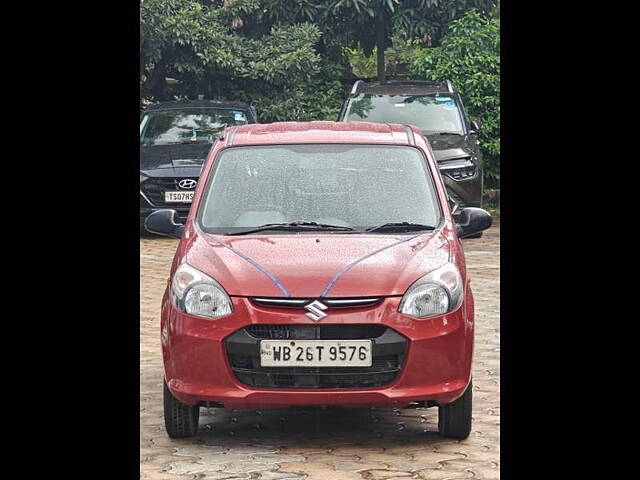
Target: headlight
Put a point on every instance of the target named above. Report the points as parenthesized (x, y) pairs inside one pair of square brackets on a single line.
[(436, 293), (143, 178), (195, 293), (458, 169)]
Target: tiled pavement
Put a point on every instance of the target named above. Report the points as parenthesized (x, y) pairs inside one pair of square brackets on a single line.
[(363, 444)]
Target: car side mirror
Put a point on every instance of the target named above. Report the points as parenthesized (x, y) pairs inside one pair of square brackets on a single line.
[(475, 127), (164, 222), (472, 220)]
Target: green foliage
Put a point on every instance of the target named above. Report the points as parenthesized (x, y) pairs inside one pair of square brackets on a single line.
[(352, 21), (319, 98), (429, 19), (193, 42), (396, 58), (470, 57)]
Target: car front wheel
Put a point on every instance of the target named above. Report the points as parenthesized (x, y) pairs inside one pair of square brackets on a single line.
[(454, 419), (180, 420)]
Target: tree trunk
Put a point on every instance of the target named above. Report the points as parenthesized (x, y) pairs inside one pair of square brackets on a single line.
[(381, 41), (159, 80)]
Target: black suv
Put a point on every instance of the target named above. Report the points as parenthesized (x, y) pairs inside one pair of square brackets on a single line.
[(175, 139), (437, 110)]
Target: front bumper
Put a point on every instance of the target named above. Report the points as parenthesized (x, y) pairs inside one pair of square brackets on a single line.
[(436, 366)]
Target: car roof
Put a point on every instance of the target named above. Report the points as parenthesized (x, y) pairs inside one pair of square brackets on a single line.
[(401, 87), (196, 104), (320, 132)]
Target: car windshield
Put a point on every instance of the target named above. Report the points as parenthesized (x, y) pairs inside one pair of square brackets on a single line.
[(434, 113), (189, 125), (357, 186)]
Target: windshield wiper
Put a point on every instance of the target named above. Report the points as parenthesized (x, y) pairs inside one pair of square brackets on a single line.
[(400, 226), (296, 226), (186, 142), (450, 133)]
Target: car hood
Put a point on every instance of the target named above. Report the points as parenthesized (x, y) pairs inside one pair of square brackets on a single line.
[(447, 147), (159, 157), (305, 265)]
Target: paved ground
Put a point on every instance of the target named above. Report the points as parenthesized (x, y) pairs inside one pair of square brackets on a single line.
[(315, 444)]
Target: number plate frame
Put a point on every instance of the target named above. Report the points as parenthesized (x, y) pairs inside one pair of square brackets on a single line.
[(313, 356), (178, 197)]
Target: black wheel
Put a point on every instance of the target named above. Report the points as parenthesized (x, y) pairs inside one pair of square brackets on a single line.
[(454, 419), (180, 420)]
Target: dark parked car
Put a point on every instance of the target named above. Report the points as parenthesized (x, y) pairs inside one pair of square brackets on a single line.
[(437, 110), (175, 138)]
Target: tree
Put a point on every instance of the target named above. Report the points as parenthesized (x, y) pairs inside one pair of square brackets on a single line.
[(263, 52), (470, 57), (198, 41), (372, 23)]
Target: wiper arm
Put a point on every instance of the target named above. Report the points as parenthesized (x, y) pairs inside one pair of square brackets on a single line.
[(186, 142), (450, 133), (400, 226), (321, 225), (296, 226)]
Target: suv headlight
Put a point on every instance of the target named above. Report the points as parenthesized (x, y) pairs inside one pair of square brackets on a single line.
[(436, 293), (197, 294), (459, 168), (143, 178)]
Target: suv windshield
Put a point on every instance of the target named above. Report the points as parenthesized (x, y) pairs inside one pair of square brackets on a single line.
[(189, 125), (358, 186), (433, 113)]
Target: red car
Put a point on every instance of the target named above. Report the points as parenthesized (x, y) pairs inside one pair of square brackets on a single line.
[(319, 265)]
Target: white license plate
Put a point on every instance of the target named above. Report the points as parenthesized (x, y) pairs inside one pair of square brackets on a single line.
[(178, 197), (315, 353)]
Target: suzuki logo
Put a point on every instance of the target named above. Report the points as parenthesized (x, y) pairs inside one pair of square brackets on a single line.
[(187, 184), (316, 310)]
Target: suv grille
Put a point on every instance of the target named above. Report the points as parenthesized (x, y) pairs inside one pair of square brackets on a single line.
[(243, 352), (154, 189)]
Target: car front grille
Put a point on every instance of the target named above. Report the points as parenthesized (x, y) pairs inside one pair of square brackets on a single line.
[(243, 352), (279, 302), (154, 189)]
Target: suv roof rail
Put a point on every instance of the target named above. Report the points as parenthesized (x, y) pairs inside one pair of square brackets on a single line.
[(449, 86), (355, 86)]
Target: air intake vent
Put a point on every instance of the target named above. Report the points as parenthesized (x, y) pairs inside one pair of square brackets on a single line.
[(243, 352)]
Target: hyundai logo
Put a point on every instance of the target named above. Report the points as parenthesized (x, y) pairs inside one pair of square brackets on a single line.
[(316, 310), (187, 184)]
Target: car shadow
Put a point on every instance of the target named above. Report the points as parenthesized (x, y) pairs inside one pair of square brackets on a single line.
[(319, 427)]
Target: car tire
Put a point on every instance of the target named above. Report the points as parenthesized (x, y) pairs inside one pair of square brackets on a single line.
[(454, 419), (180, 420)]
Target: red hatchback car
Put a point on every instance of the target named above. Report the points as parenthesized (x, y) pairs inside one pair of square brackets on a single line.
[(319, 265)]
